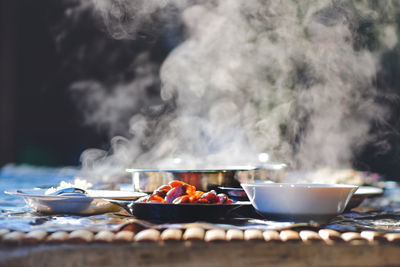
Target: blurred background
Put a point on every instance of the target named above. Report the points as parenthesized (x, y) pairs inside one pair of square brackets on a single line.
[(47, 46)]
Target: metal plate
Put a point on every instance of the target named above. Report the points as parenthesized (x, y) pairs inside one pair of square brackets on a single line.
[(94, 203)]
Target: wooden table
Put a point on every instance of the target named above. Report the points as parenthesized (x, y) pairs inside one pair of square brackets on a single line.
[(199, 247)]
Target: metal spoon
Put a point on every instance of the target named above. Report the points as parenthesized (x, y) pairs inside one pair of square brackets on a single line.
[(70, 191)]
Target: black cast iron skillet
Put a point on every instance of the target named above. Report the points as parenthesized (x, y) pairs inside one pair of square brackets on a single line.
[(185, 212)]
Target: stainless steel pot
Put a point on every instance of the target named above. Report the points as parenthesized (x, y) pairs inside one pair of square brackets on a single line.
[(147, 180)]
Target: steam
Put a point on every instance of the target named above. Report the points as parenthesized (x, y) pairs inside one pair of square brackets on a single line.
[(132, 19), (112, 109), (290, 79)]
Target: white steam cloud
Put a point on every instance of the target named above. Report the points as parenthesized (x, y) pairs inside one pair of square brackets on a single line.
[(253, 76)]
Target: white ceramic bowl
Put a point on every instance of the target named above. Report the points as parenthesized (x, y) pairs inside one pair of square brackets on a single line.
[(299, 202)]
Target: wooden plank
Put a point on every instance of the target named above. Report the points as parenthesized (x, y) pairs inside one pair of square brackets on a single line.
[(148, 235), (171, 235), (309, 236), (253, 234), (104, 236), (289, 235), (215, 235), (80, 236), (124, 236), (13, 237), (35, 237), (234, 235), (271, 236), (201, 254), (330, 236), (194, 233), (58, 237)]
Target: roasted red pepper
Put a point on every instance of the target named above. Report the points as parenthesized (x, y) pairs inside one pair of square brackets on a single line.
[(228, 201), (180, 192), (144, 199), (176, 183), (210, 197), (194, 198), (182, 199), (190, 189), (222, 198), (174, 193), (162, 190), (155, 198)]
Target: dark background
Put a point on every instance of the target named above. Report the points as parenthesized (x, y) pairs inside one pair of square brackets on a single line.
[(47, 45), (39, 123)]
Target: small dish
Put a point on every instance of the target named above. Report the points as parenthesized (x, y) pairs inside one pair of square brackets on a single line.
[(299, 202), (361, 194), (93, 203)]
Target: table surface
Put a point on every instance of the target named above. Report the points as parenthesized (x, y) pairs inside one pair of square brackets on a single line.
[(367, 236)]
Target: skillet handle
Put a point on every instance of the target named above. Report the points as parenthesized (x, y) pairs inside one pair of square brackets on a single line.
[(122, 203)]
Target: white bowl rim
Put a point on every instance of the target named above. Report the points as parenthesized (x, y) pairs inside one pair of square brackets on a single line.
[(285, 185)]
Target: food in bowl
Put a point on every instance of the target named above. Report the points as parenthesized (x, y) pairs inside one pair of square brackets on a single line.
[(299, 202), (177, 192)]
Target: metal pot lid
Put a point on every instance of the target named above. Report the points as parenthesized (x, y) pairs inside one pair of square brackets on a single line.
[(201, 170)]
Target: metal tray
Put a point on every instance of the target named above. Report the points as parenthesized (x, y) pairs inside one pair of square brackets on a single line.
[(205, 179)]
